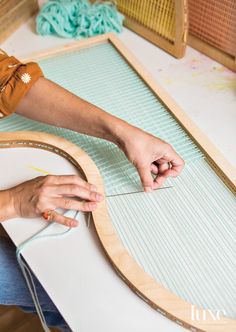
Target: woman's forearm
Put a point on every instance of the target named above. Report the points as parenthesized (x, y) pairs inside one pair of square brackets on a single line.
[(47, 102)]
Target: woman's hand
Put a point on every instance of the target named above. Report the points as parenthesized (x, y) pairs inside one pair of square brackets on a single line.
[(150, 155), (46, 193), (61, 108)]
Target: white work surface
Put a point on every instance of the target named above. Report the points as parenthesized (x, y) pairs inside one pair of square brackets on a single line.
[(73, 269)]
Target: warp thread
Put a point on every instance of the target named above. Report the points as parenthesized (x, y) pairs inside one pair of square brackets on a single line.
[(26, 271), (41, 234), (78, 18)]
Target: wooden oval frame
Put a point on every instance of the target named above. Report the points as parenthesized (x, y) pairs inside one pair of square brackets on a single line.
[(160, 298)]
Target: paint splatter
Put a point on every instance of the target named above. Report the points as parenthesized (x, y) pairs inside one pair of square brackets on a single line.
[(38, 169), (194, 63), (222, 85), (168, 81)]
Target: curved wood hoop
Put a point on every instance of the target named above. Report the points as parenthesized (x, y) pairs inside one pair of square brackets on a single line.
[(158, 297)]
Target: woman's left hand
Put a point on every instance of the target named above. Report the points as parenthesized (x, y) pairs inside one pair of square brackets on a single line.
[(44, 194)]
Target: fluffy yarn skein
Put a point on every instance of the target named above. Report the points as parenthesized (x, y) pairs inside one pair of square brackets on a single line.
[(78, 18)]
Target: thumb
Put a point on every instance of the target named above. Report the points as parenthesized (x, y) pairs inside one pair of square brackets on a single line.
[(146, 178)]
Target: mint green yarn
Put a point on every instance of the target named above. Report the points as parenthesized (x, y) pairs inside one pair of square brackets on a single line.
[(27, 272), (78, 18)]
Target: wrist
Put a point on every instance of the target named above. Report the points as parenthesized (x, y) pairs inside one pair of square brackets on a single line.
[(117, 131), (7, 205)]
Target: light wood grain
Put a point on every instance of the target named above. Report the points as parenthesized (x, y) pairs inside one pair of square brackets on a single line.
[(143, 28), (16, 16), (70, 47)]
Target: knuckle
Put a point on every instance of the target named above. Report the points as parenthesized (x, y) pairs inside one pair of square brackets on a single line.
[(68, 204), (41, 197), (75, 178), (168, 147), (38, 209), (91, 187), (40, 178), (80, 181), (53, 216), (67, 222), (48, 179), (39, 206), (43, 190), (92, 196), (86, 206), (73, 188)]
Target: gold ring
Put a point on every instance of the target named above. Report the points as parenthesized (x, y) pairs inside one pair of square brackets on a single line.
[(48, 215)]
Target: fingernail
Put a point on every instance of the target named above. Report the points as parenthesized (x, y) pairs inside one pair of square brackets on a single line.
[(93, 188), (147, 189), (99, 197), (74, 223)]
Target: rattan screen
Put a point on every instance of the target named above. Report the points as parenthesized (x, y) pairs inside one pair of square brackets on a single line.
[(213, 22)]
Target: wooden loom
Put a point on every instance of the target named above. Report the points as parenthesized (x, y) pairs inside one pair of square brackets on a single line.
[(143, 285), (13, 13), (164, 23)]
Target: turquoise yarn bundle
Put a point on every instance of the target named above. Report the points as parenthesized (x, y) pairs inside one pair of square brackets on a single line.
[(78, 18)]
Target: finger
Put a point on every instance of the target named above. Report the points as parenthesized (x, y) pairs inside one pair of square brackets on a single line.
[(159, 180), (71, 204), (60, 219), (70, 179), (172, 173), (177, 164), (163, 167), (154, 169), (78, 191), (146, 178), (176, 167)]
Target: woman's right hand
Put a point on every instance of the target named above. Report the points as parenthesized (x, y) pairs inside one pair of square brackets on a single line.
[(46, 193)]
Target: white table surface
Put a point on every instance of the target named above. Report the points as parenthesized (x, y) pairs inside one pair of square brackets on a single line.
[(73, 268), (207, 92)]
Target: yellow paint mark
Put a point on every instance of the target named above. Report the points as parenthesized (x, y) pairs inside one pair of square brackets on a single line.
[(38, 170), (167, 81), (221, 69), (194, 74), (223, 85)]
